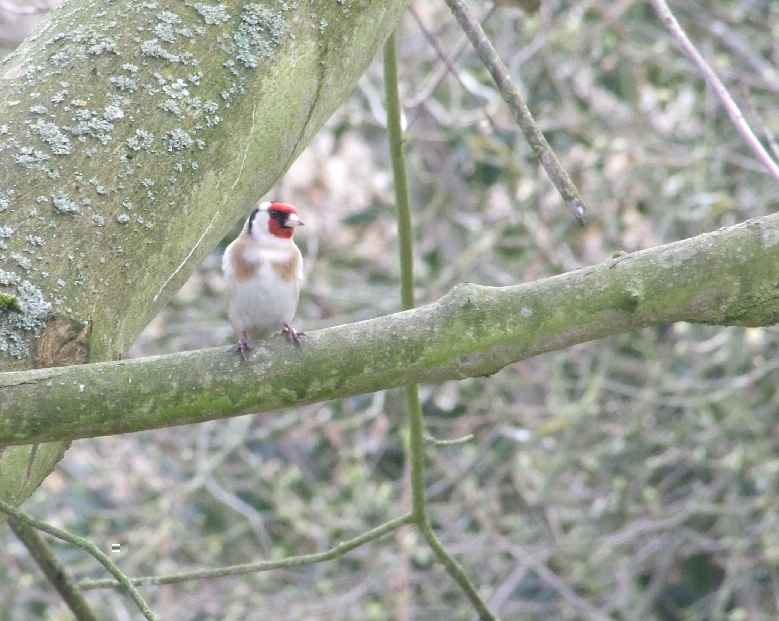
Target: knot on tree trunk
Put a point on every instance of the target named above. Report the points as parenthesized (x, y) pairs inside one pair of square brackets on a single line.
[(63, 342)]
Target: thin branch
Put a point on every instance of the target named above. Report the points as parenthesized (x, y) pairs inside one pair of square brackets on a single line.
[(434, 81), (736, 116), (727, 277), (402, 199), (416, 446), (54, 571), (448, 63), (333, 553), (457, 572), (522, 115), (88, 547), (744, 48)]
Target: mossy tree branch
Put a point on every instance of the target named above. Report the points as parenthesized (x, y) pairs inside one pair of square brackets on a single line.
[(727, 277)]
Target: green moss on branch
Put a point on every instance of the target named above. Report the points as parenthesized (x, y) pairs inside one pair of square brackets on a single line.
[(727, 277)]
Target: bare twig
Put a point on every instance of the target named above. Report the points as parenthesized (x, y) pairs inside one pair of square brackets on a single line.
[(667, 17), (448, 63), (253, 568), (87, 546), (743, 47), (522, 115), (52, 569), (436, 78)]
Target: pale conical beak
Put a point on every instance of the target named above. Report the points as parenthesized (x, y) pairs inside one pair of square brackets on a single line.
[(293, 220)]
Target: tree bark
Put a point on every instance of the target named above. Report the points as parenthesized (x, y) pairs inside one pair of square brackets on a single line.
[(728, 277), (132, 136)]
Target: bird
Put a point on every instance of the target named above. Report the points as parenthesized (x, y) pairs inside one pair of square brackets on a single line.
[(263, 269)]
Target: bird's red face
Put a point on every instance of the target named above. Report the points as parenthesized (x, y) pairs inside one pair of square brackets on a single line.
[(278, 219), (282, 220)]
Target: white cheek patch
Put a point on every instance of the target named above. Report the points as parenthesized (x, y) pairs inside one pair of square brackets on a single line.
[(260, 224)]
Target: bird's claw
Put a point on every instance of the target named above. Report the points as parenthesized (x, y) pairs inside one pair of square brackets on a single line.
[(293, 336)]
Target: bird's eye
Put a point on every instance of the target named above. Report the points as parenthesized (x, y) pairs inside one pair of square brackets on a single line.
[(274, 213)]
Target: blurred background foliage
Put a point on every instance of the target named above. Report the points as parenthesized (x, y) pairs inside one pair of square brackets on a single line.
[(631, 478)]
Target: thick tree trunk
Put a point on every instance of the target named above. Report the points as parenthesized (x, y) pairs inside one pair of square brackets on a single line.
[(132, 136)]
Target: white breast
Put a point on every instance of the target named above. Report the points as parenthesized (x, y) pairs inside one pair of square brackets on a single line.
[(262, 303)]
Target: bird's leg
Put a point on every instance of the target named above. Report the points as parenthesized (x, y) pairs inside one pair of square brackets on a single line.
[(243, 344), (293, 336)]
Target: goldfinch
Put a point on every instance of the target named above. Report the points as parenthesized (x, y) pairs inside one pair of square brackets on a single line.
[(263, 268)]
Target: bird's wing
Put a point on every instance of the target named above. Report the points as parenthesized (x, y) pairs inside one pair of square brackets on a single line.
[(242, 260)]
